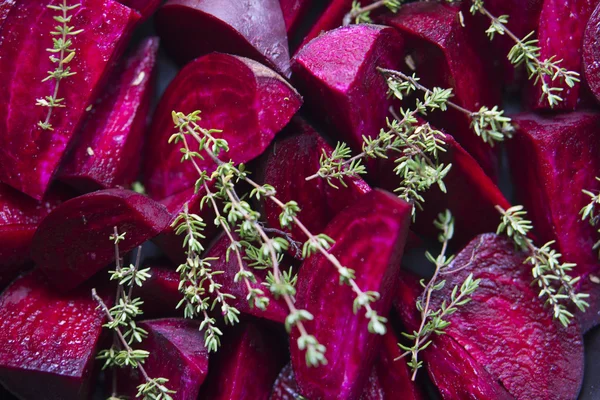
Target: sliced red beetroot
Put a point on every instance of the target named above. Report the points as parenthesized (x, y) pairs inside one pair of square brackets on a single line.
[(337, 72), (28, 153), (246, 365), (444, 56), (552, 160), (72, 243), (160, 293), (247, 101), (177, 353), (253, 29), (145, 7), (293, 13), (47, 338), (591, 52), (107, 151), (369, 238)]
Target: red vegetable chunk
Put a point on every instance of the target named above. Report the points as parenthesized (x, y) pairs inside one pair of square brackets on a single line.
[(552, 160), (177, 353), (444, 56), (107, 152), (145, 7), (369, 238), (293, 13), (246, 365), (160, 293), (591, 52), (253, 29), (247, 101), (337, 72), (72, 243), (29, 154), (47, 341)]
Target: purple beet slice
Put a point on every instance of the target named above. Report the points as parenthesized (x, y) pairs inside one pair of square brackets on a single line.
[(337, 72), (29, 154), (47, 338), (293, 13), (591, 52), (160, 292), (247, 101), (444, 56), (246, 365), (145, 7), (253, 29), (107, 150), (72, 243), (369, 238), (552, 160), (177, 353)]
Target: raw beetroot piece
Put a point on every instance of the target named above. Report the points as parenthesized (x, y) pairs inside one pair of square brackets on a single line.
[(552, 160), (107, 151), (160, 293), (246, 366), (28, 153), (369, 238), (293, 13), (177, 353), (72, 243), (444, 56), (253, 29), (591, 52), (337, 72), (286, 387), (47, 338), (145, 7), (247, 101)]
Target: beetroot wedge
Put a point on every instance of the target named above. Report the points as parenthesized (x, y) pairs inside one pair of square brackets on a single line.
[(247, 101), (160, 293), (72, 243), (337, 72), (177, 353), (293, 13), (552, 160), (29, 154), (253, 29), (47, 338), (107, 151), (369, 238), (444, 56), (591, 53), (246, 366), (145, 7)]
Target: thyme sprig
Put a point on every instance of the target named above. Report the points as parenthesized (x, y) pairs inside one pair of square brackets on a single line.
[(433, 321), (61, 54), (590, 213), (362, 15), (526, 51), (551, 276)]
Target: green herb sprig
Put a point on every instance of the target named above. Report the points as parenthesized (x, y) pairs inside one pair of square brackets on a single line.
[(362, 15), (590, 213)]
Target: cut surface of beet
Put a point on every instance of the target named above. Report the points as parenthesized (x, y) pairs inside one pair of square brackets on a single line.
[(591, 52), (160, 293), (107, 150), (29, 154), (253, 29), (247, 101), (293, 12), (72, 243), (369, 238), (145, 7), (49, 339)]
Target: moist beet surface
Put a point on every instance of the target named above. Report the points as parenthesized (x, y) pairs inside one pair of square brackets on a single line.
[(293, 13), (107, 150), (48, 340), (246, 100), (72, 243), (32, 153), (160, 293), (248, 28), (145, 7), (369, 238), (591, 52)]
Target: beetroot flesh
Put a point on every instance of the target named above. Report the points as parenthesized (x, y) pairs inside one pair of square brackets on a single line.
[(253, 29), (145, 7), (160, 293), (445, 56), (30, 155), (246, 100), (246, 366), (49, 339), (72, 243), (106, 153), (591, 52), (369, 238), (552, 160), (293, 13), (177, 353), (337, 72), (504, 318)]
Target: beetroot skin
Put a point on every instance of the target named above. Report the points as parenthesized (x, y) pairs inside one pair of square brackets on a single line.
[(369, 238), (253, 29), (591, 52), (106, 153), (247, 101), (49, 339), (72, 243), (29, 155)]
